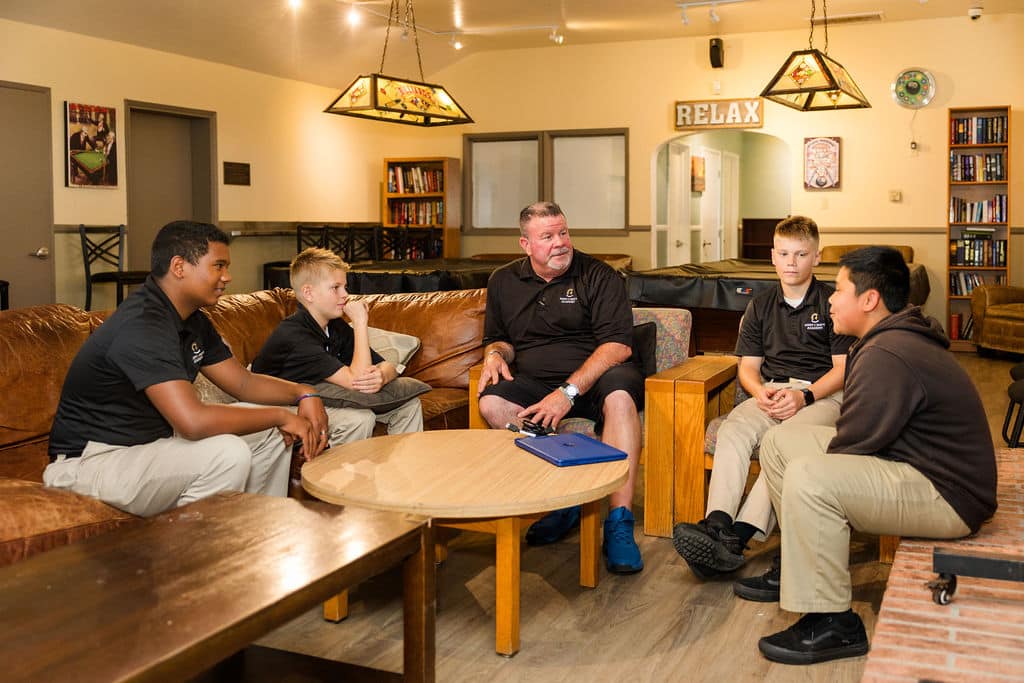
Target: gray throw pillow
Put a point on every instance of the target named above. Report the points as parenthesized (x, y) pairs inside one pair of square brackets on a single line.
[(391, 395)]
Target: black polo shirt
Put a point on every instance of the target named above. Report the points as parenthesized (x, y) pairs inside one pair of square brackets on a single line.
[(794, 342), (145, 342), (300, 351), (555, 326)]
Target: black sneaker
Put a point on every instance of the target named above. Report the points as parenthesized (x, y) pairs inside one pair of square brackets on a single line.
[(763, 588), (553, 526), (709, 546), (817, 637)]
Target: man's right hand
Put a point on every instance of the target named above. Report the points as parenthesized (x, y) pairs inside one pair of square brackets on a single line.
[(494, 369)]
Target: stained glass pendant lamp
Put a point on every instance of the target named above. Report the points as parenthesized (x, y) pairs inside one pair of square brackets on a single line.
[(810, 80), (399, 100)]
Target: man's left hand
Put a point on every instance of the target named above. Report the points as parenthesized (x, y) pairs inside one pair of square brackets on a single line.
[(313, 410), (549, 411), (370, 381)]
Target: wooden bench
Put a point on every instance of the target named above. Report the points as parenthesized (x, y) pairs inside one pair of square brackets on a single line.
[(980, 634), (171, 597)]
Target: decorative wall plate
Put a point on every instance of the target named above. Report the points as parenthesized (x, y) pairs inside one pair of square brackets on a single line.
[(913, 88)]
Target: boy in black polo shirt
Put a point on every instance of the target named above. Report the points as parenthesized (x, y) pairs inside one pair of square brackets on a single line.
[(791, 364), (314, 345), (131, 431)]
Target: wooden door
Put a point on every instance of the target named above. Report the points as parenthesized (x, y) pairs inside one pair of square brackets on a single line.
[(26, 195)]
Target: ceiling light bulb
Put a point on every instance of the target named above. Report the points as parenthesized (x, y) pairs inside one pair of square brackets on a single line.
[(353, 16), (456, 43), (295, 4), (556, 37), (685, 19), (714, 16)]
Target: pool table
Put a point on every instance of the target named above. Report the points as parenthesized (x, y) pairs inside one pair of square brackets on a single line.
[(90, 161)]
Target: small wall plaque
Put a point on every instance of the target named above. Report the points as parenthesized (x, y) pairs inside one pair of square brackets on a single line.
[(236, 173)]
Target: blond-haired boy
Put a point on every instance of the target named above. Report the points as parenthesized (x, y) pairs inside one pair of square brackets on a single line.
[(317, 344), (792, 364)]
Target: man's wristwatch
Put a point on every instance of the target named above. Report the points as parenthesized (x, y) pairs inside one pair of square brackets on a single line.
[(808, 396), (571, 391)]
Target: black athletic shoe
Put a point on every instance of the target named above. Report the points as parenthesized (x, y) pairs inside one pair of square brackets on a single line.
[(709, 546), (817, 637), (763, 588)]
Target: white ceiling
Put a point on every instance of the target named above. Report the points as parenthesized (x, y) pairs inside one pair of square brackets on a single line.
[(315, 43)]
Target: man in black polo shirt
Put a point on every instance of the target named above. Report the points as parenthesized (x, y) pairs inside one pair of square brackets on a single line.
[(563, 318), (131, 431), (791, 364)]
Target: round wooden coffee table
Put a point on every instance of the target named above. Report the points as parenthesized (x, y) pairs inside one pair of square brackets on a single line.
[(475, 479)]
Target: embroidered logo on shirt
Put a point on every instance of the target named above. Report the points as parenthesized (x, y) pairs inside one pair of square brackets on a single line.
[(569, 297), (197, 353), (815, 324)]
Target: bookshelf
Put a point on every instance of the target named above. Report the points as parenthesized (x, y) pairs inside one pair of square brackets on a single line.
[(978, 208), (421, 196)]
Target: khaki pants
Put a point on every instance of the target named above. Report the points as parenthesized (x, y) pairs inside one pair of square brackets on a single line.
[(737, 438), (821, 495), (353, 424), (147, 479)]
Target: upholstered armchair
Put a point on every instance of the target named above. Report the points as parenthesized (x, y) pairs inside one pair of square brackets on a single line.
[(662, 419), (998, 317)]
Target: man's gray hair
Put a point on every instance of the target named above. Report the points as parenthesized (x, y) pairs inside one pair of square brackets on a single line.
[(538, 210)]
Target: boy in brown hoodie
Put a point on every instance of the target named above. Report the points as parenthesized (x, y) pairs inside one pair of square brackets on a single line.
[(910, 455)]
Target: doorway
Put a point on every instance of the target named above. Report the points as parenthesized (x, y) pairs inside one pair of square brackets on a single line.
[(26, 194), (171, 155), (747, 175)]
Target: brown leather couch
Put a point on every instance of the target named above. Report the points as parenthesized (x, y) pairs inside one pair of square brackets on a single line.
[(37, 346), (998, 317)]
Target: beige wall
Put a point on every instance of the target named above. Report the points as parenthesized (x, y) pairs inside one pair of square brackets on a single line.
[(308, 166), (636, 84)]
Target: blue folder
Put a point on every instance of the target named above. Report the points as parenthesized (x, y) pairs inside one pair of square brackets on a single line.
[(564, 450)]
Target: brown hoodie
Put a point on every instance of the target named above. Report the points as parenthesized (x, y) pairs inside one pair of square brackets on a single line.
[(907, 399)]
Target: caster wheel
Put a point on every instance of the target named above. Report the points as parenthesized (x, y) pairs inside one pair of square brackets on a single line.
[(943, 589)]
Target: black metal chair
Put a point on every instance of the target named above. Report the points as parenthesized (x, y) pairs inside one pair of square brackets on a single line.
[(354, 243), (307, 236), (1016, 394), (106, 244)]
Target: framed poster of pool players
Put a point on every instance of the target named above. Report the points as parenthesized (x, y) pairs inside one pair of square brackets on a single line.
[(91, 154)]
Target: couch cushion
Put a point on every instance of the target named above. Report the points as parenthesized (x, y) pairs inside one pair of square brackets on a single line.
[(37, 345), (1009, 311), (393, 394), (450, 326), (34, 518)]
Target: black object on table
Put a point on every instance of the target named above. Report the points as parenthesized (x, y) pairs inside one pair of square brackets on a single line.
[(426, 275), (4, 301), (730, 284)]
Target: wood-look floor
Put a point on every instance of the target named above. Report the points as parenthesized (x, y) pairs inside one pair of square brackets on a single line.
[(660, 625)]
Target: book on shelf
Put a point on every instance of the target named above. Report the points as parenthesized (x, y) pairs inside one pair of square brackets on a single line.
[(977, 249), (978, 130), (968, 328), (414, 179), (954, 326), (972, 168)]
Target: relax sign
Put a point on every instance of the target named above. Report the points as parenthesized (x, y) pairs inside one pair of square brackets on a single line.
[(705, 114)]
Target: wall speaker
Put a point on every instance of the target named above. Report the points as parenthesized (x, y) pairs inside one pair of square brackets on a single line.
[(716, 53)]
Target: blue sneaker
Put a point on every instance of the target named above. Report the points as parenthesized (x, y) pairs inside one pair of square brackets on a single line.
[(553, 526), (622, 556)]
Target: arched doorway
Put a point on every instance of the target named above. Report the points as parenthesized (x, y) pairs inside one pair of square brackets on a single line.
[(746, 175)]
